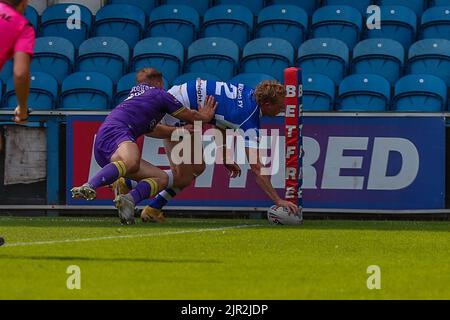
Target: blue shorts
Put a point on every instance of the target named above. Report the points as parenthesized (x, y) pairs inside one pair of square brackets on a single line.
[(108, 140)]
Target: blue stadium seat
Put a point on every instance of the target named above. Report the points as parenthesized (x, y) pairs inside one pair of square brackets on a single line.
[(146, 5), (398, 23), (107, 55), (200, 5), (431, 56), (233, 22), (436, 23), (364, 92), (339, 22), (123, 21), (420, 92), (55, 19), (195, 75), (1, 94), (86, 91), (267, 55), (251, 79), (254, 6), (217, 56), (325, 56), (418, 6), (319, 92), (164, 54), (43, 92), (437, 3), (124, 86), (7, 71), (308, 5), (360, 5), (53, 55), (384, 57), (179, 22), (283, 21), (33, 17)]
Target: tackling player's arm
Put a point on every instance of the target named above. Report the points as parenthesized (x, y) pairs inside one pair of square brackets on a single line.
[(162, 131), (204, 114), (264, 182)]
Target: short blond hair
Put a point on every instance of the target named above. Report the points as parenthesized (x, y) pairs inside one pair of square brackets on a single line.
[(270, 91)]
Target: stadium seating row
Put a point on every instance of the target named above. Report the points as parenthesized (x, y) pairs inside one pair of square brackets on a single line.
[(418, 6), (362, 92), (221, 57), (236, 22)]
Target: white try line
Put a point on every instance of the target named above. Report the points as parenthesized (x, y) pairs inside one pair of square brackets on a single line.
[(130, 236)]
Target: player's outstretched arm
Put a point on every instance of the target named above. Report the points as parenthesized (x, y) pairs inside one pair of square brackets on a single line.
[(21, 73), (204, 114), (264, 182)]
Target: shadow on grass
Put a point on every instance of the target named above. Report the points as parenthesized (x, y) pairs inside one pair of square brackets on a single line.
[(97, 259)]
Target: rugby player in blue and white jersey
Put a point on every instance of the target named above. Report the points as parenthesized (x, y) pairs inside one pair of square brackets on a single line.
[(239, 107)]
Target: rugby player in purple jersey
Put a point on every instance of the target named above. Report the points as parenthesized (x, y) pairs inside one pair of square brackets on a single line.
[(115, 147)]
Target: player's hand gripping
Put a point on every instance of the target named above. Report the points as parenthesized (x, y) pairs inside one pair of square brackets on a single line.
[(21, 115), (209, 109), (292, 208)]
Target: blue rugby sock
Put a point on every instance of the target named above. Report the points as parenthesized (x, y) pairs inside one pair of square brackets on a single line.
[(163, 198)]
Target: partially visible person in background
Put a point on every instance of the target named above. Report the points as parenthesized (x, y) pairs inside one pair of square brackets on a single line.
[(17, 38)]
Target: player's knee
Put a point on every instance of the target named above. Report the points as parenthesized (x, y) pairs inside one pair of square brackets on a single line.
[(133, 166)]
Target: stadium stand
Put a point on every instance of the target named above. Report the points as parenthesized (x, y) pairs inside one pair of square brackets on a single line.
[(55, 21), (267, 55), (93, 5), (43, 92), (86, 91), (420, 92), (200, 5), (360, 5), (107, 55), (146, 5), (308, 5), (165, 54), (233, 22), (193, 76), (123, 21), (364, 92), (319, 92), (33, 17), (384, 57), (325, 56), (246, 41), (251, 79), (436, 3), (39, 5), (254, 6), (399, 23), (283, 21), (7, 71), (55, 56), (214, 55), (339, 22), (418, 6), (176, 21), (431, 56), (436, 23)]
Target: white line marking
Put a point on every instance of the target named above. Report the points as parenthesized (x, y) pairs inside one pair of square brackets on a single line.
[(23, 244)]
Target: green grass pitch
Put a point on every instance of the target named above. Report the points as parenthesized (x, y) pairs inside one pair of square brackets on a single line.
[(223, 259)]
